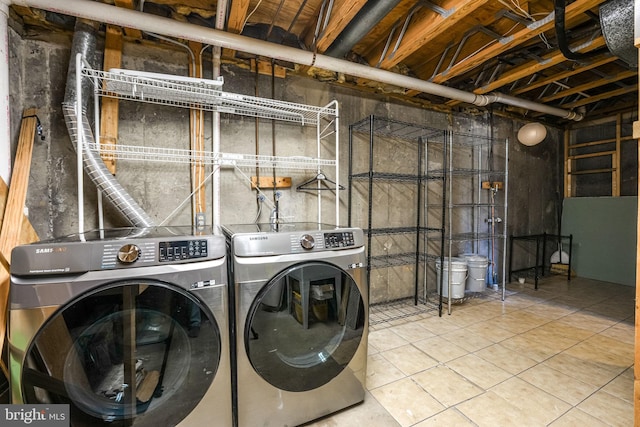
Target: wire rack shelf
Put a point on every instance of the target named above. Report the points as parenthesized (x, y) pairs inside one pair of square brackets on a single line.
[(200, 94), (175, 155)]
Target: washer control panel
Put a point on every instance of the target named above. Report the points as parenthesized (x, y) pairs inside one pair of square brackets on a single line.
[(182, 249), (71, 257), (341, 239)]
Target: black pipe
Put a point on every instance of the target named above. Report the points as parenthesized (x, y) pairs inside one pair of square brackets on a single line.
[(561, 35), (367, 17)]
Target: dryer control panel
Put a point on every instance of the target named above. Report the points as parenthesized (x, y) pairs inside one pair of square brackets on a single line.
[(292, 238), (182, 249), (342, 239)]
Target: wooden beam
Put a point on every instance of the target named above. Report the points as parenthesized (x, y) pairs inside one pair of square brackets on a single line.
[(110, 106), (264, 68), (595, 63), (592, 155), (426, 25), (606, 95), (572, 13), (342, 14), (615, 161), (27, 233), (591, 85), (594, 171), (13, 214), (554, 58), (197, 144), (526, 69), (569, 185), (12, 221), (600, 142), (131, 32), (235, 23), (237, 16)]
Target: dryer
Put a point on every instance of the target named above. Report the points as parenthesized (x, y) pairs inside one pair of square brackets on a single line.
[(300, 298), (127, 326)]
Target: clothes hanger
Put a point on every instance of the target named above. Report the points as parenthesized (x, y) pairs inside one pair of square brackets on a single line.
[(322, 178)]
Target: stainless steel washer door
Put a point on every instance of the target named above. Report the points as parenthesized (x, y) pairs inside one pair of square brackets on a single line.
[(304, 326), (126, 354)]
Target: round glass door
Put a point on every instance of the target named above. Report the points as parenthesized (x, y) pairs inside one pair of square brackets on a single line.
[(139, 353), (305, 326)]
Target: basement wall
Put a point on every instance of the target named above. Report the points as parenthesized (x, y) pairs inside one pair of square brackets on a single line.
[(38, 67)]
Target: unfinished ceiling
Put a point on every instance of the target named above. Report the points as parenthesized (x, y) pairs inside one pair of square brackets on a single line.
[(518, 48)]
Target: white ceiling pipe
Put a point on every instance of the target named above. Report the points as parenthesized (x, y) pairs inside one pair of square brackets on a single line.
[(216, 183), (541, 108), (5, 116), (121, 16)]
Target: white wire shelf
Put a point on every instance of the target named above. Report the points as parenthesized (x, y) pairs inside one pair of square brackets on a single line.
[(201, 94), (175, 155)]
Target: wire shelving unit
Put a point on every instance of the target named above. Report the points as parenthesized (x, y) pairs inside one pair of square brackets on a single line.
[(207, 95)]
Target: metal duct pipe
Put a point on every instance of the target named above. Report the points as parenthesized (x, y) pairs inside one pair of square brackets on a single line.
[(617, 22), (84, 42), (129, 18), (368, 17)]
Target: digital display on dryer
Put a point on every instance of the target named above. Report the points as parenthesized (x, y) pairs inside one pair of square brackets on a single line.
[(339, 240), (182, 250)]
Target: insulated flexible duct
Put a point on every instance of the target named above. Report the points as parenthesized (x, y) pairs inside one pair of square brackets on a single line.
[(84, 42), (617, 23)]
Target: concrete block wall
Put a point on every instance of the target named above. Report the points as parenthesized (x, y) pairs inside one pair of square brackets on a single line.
[(38, 68)]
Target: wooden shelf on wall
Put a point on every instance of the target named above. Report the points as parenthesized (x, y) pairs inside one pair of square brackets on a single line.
[(573, 155)]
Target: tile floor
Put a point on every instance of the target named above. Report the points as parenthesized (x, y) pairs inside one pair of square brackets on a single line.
[(561, 355)]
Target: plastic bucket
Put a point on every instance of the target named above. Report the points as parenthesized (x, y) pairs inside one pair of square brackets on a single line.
[(477, 266), (457, 267)]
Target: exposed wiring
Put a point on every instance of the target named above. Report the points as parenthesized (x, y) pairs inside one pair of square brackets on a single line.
[(190, 196), (260, 201), (515, 7), (249, 16), (267, 201)]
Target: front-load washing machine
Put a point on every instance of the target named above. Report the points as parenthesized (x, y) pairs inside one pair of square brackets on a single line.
[(300, 298), (130, 327)]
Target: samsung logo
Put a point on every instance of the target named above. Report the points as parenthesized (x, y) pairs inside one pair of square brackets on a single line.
[(49, 250), (259, 238)]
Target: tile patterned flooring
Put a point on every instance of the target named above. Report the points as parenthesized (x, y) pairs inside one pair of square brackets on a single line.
[(558, 356)]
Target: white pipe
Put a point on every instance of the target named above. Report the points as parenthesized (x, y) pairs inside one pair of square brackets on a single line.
[(5, 110), (79, 145), (96, 132), (216, 186), (145, 22)]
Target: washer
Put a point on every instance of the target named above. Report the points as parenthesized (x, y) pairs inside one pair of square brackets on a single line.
[(93, 314), (301, 321)]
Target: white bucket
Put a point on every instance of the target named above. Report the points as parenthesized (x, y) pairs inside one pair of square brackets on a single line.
[(458, 268), (477, 266)]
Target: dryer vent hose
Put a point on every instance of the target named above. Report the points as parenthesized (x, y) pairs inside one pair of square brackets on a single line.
[(84, 42)]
